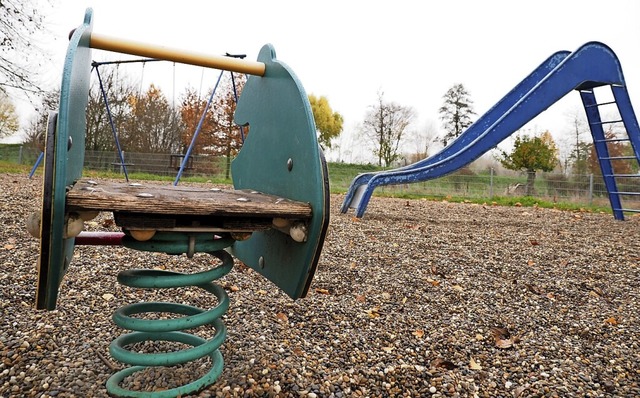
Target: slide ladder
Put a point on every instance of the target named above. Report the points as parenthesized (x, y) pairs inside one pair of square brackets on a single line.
[(592, 65), (620, 185)]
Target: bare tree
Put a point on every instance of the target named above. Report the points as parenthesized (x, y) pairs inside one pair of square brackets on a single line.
[(424, 140), (152, 123), (385, 125), (227, 138), (117, 90), (579, 155), (20, 21), (36, 130)]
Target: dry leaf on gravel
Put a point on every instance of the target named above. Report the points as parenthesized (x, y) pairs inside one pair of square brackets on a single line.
[(503, 337), (473, 365)]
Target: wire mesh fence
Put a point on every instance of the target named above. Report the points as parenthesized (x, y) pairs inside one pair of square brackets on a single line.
[(586, 189)]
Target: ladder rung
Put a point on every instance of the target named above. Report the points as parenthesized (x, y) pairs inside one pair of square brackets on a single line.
[(623, 175), (613, 140), (618, 158), (601, 104), (629, 210), (607, 122), (626, 193)]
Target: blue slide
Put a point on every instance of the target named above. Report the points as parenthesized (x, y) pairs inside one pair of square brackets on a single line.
[(592, 65)]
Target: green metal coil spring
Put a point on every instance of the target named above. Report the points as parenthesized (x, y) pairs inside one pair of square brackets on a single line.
[(171, 330)]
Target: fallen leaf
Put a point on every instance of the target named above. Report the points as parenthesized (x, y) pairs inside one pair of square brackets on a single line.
[(457, 288), (434, 269), (533, 289), (534, 242), (262, 291), (473, 365), (9, 247), (611, 321), (433, 282), (418, 333), (282, 317), (531, 263), (373, 312), (108, 296), (503, 337), (322, 291), (518, 391), (388, 349), (386, 296), (404, 300), (360, 298)]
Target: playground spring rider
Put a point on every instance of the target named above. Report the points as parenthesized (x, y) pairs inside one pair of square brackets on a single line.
[(274, 220)]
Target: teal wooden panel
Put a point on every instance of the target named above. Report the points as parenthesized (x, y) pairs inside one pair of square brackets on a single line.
[(64, 160), (281, 157)]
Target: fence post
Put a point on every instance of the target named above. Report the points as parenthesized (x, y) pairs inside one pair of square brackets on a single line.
[(491, 184), (20, 154), (591, 189)]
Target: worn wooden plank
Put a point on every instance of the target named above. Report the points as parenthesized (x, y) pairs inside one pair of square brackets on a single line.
[(87, 195)]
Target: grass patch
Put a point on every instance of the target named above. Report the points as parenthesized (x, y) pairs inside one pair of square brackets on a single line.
[(13, 168), (524, 201)]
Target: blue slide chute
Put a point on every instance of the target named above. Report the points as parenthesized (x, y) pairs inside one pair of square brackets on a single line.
[(592, 65)]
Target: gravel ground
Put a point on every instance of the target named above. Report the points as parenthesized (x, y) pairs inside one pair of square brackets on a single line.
[(416, 299)]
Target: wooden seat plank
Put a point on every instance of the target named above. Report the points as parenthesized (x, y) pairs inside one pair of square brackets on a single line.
[(91, 195)]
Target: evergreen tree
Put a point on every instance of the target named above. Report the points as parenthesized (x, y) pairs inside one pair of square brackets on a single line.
[(456, 112)]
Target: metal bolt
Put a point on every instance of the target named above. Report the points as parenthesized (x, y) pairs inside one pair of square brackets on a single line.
[(261, 262), (243, 199), (144, 195), (69, 143), (290, 164)]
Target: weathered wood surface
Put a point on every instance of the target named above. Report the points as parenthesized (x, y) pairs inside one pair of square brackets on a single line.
[(146, 198)]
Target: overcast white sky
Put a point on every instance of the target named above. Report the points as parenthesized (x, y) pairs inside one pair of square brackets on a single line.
[(413, 51)]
